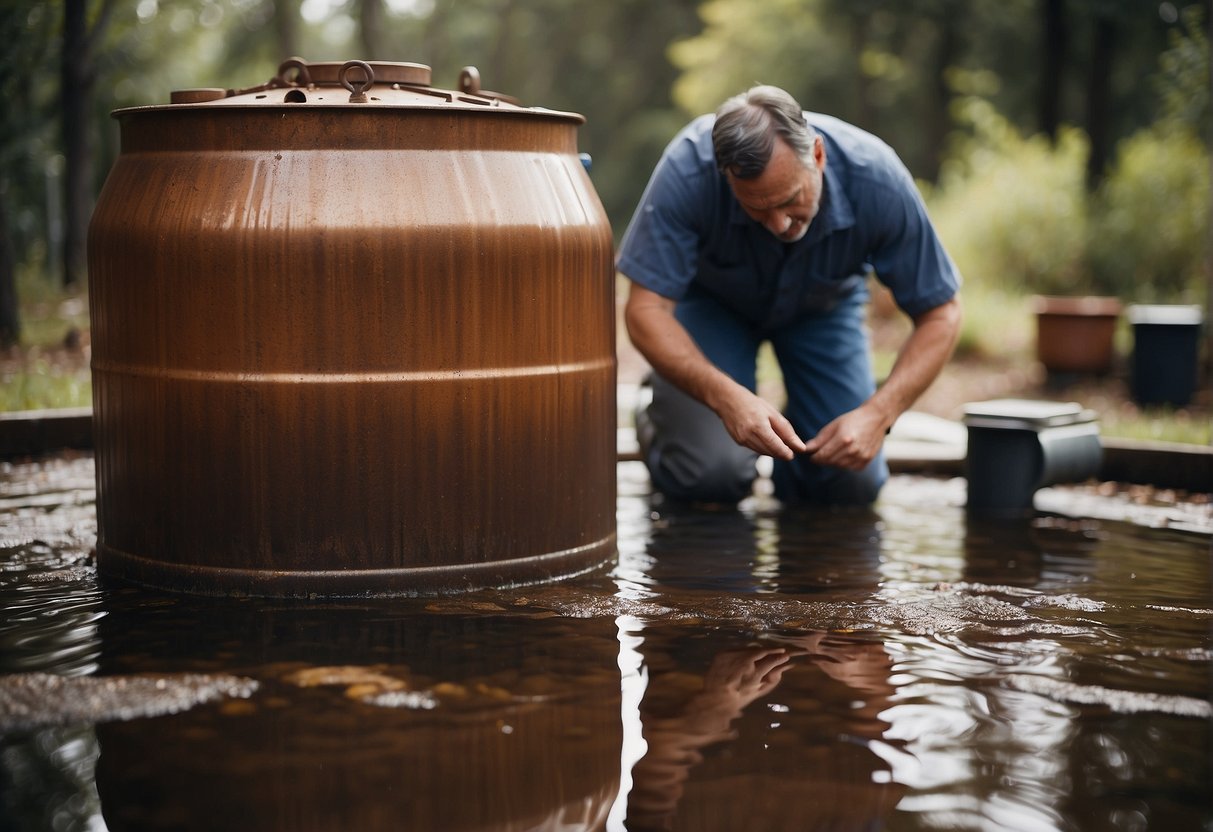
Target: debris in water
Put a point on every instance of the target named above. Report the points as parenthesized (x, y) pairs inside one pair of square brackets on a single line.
[(363, 683), (461, 605), (413, 700)]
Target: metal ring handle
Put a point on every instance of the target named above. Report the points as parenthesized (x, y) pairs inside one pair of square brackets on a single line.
[(357, 92), (302, 78), (469, 80)]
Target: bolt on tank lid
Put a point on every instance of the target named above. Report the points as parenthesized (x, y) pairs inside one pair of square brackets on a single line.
[(381, 83)]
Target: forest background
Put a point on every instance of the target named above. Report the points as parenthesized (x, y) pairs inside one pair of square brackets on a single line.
[(1062, 145)]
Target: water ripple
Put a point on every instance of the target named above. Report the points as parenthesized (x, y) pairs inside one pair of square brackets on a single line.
[(1119, 701)]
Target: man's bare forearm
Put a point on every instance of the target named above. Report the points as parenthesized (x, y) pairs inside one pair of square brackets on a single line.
[(656, 333), (750, 420), (921, 359)]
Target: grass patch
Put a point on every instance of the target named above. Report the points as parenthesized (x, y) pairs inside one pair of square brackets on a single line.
[(39, 383), (49, 313), (1157, 425), (50, 367)]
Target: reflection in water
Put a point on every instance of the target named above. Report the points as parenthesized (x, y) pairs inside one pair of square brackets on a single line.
[(814, 737), (379, 717), (770, 734), (48, 780), (906, 668)]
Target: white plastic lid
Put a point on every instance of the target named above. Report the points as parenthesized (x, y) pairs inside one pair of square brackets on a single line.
[(1173, 314)]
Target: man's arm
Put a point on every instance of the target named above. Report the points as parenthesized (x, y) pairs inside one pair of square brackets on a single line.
[(853, 439), (669, 348)]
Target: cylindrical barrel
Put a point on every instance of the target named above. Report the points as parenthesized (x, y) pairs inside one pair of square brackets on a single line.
[(347, 347), (1166, 351)]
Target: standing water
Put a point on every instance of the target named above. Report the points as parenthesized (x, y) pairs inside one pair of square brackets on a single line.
[(910, 667)]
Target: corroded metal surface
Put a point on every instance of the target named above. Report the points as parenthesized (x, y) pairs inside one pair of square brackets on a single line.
[(351, 348)]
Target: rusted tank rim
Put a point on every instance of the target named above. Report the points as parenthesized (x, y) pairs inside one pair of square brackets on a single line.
[(370, 84)]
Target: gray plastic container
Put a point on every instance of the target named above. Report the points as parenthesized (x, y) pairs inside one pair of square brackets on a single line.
[(1018, 445)]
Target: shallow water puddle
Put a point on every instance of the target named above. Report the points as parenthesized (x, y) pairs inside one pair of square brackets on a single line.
[(908, 667)]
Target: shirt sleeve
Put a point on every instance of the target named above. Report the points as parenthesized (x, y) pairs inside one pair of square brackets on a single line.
[(910, 258), (660, 249)]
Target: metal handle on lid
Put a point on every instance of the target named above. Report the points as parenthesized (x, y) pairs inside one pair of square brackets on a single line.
[(357, 91), (302, 77), (469, 80)]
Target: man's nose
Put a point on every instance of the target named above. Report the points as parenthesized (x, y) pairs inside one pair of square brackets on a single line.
[(779, 223)]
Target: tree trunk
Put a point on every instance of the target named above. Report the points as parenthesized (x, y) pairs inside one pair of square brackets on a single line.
[(75, 95), (1056, 39), (76, 78), (940, 123), (10, 320), (286, 27), (371, 29), (864, 111), (1099, 89)]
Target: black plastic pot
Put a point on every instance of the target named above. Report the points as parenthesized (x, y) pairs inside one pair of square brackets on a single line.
[(1166, 343)]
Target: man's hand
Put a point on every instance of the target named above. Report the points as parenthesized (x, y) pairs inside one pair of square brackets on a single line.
[(735, 679), (755, 423), (851, 441)]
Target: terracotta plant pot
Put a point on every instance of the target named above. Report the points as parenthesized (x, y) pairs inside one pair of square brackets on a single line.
[(1075, 334)]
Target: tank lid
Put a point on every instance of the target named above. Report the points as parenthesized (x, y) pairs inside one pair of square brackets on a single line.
[(1025, 414), (359, 83)]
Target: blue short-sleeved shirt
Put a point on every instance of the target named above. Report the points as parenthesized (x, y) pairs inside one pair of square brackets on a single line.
[(689, 234)]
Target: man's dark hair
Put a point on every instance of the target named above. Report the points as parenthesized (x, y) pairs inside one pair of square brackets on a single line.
[(747, 126)]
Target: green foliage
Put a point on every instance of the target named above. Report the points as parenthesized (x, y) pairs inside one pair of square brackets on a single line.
[(38, 383), (744, 43), (1012, 211), (1148, 237), (1015, 214), (997, 324), (28, 131), (867, 62), (1150, 220), (1183, 78)]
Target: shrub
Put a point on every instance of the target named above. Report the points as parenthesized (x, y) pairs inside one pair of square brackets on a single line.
[(1150, 219), (1012, 210)]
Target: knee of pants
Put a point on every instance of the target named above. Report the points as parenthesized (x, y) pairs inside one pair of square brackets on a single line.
[(689, 454), (718, 476), (799, 481)]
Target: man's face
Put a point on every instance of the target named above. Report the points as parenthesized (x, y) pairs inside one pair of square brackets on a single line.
[(785, 197)]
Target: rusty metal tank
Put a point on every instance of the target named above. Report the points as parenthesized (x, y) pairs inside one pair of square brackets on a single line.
[(352, 335)]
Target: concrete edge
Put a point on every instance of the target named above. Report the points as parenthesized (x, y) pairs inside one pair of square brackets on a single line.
[(37, 432)]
